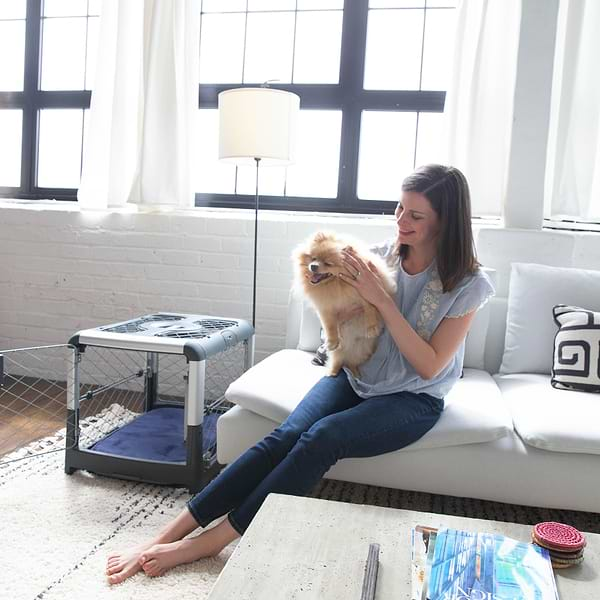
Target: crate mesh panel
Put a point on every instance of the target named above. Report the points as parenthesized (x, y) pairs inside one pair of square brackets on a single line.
[(32, 400), (113, 382), (111, 390)]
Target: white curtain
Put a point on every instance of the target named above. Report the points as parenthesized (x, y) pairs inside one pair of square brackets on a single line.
[(140, 146), (573, 161), (479, 100)]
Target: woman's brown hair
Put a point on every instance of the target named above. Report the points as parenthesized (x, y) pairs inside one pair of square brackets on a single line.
[(447, 190)]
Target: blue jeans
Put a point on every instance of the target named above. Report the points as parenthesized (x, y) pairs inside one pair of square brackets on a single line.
[(331, 422)]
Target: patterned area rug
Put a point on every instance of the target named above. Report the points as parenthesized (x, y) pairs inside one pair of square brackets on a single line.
[(451, 505), (58, 529)]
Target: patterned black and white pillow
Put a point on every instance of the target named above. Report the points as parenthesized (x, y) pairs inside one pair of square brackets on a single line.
[(576, 364)]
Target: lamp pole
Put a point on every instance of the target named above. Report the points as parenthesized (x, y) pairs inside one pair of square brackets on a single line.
[(255, 245)]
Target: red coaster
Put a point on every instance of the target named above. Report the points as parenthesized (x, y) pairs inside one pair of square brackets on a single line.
[(559, 536)]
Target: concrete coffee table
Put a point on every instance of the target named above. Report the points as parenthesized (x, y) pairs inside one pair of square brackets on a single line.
[(310, 548)]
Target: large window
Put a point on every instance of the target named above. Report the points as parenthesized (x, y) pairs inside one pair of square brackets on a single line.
[(44, 94), (371, 75)]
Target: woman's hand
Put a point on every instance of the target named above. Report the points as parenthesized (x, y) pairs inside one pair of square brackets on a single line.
[(364, 277)]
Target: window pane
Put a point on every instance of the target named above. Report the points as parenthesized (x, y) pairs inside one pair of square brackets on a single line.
[(92, 51), (15, 9), (319, 4), (212, 175), (269, 46), (223, 5), (387, 145), (222, 48), (63, 54), (315, 173), (94, 7), (59, 162), (442, 3), (65, 8), (271, 181), (271, 4), (397, 3), (393, 57), (318, 45), (431, 147), (12, 43), (11, 122), (438, 48)]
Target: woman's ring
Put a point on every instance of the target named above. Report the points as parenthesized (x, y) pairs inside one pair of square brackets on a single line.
[(357, 274)]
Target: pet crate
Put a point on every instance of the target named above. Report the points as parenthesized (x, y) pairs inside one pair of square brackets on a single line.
[(144, 395)]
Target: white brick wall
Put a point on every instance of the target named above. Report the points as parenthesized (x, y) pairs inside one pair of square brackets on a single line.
[(62, 270)]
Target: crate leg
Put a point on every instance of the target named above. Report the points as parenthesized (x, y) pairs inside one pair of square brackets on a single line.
[(72, 439), (151, 381)]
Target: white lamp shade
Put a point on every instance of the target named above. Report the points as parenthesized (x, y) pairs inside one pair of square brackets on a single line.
[(258, 123)]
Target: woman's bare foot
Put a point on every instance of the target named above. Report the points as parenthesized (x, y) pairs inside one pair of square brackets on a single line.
[(161, 557), (121, 565)]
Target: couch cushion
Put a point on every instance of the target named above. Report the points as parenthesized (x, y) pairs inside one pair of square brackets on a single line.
[(552, 419), (474, 411), (530, 328)]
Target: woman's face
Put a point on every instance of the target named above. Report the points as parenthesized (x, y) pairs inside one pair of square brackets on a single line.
[(418, 224)]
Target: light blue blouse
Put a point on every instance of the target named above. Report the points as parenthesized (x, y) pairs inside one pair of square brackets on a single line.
[(423, 303)]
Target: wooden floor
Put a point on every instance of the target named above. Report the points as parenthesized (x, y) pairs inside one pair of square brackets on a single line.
[(29, 410)]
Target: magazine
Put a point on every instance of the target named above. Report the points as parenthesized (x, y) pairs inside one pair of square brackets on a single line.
[(423, 538), (450, 564)]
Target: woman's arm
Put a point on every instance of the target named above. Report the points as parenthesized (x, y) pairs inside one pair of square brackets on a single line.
[(427, 358)]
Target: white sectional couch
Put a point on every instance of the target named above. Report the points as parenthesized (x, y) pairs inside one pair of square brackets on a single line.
[(508, 437)]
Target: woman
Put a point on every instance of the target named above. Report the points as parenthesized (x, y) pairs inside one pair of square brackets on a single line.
[(398, 398)]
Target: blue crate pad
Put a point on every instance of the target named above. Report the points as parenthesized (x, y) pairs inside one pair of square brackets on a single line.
[(156, 435)]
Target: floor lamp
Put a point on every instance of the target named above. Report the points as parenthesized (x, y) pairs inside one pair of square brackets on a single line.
[(257, 126)]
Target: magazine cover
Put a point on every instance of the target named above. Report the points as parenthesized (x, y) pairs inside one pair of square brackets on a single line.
[(483, 566), (422, 542)]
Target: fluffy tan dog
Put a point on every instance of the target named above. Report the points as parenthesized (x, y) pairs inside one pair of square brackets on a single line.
[(318, 262)]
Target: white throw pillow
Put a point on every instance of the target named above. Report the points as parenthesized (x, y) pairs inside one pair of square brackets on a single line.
[(576, 349), (310, 328), (530, 329), (475, 342)]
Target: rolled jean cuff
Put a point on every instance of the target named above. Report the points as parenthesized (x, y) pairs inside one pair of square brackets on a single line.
[(233, 523), (200, 521)]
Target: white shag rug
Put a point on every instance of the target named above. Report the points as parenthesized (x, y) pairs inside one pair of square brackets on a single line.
[(57, 531)]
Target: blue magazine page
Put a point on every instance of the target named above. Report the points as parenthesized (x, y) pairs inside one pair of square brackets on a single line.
[(485, 566)]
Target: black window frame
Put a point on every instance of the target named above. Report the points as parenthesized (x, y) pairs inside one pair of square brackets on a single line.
[(31, 101), (348, 96)]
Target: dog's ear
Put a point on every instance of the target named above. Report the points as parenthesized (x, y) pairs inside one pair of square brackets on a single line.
[(320, 236)]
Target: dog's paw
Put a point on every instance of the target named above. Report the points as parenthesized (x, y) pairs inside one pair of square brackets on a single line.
[(333, 371)]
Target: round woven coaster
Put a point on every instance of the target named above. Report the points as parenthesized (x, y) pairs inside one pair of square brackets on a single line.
[(559, 554), (558, 536), (553, 549), (565, 555), (562, 564)]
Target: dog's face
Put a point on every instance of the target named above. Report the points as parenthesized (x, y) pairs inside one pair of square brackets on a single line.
[(319, 260)]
